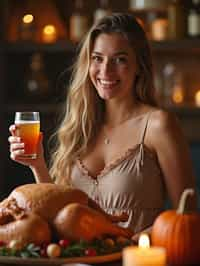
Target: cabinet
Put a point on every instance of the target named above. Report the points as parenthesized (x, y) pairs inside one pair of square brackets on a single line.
[(59, 56)]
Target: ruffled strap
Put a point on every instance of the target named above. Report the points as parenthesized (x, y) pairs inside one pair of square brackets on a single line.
[(145, 128), (139, 158)]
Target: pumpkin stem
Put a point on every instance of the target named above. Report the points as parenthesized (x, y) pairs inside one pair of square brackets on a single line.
[(182, 202)]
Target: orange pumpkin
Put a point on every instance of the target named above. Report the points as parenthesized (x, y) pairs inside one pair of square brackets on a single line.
[(179, 232)]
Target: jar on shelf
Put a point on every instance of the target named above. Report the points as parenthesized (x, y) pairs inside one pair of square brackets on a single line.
[(193, 20)]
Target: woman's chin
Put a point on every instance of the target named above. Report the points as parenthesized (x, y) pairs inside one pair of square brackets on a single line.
[(107, 96)]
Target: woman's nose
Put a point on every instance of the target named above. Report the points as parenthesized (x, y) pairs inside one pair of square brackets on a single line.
[(107, 66)]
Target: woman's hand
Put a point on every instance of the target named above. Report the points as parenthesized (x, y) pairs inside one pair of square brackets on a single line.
[(17, 150)]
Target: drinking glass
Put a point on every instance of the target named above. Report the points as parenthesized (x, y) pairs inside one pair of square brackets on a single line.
[(28, 129)]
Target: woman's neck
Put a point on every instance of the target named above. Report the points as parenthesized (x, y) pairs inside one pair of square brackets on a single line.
[(116, 113)]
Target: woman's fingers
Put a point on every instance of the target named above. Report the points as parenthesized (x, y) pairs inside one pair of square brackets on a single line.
[(14, 139), (16, 154), (16, 146), (12, 129)]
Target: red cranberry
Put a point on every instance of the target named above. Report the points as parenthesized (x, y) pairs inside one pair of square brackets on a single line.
[(2, 243), (43, 252), (90, 252), (64, 243)]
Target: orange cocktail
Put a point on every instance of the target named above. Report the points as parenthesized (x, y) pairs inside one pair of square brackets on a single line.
[(28, 129)]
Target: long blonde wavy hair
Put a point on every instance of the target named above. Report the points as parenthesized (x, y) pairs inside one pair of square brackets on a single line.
[(84, 108)]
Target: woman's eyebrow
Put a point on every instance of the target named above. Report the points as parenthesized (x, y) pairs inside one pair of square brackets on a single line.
[(115, 54)]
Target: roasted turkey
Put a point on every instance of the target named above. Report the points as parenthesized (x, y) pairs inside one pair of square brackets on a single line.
[(34, 213)]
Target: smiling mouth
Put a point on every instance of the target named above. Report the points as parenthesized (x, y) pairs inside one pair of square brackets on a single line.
[(107, 83)]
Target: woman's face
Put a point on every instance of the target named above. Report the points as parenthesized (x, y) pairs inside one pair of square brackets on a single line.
[(112, 66)]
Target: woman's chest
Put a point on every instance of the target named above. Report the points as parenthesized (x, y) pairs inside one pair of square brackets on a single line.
[(125, 180), (108, 149)]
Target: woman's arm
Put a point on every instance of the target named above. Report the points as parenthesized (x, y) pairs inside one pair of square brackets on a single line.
[(38, 165), (41, 173), (166, 138)]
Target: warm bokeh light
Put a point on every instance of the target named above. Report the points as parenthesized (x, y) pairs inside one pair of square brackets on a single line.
[(28, 18), (197, 98), (144, 241), (178, 96), (49, 29), (49, 33)]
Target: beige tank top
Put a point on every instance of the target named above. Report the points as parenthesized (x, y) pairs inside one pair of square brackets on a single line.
[(132, 184)]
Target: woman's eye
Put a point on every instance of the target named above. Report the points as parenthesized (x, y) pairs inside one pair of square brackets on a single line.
[(119, 60), (96, 58)]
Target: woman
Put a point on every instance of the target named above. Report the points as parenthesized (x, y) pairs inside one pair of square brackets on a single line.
[(114, 143)]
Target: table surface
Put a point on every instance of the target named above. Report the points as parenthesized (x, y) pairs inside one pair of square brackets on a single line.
[(116, 263)]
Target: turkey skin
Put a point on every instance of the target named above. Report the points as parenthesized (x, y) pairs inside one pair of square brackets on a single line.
[(34, 213)]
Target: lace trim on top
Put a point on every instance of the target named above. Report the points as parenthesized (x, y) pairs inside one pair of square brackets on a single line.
[(139, 161)]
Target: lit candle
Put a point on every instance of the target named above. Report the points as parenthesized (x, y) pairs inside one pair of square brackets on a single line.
[(159, 29), (178, 94), (49, 34), (197, 98), (27, 27), (144, 255)]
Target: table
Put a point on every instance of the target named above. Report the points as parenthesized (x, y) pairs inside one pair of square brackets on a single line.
[(116, 263)]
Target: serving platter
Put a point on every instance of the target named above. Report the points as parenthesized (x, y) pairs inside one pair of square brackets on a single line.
[(60, 261)]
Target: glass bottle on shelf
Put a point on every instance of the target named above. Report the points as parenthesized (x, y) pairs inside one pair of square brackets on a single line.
[(36, 83), (78, 22), (193, 19), (176, 20), (102, 11), (173, 85)]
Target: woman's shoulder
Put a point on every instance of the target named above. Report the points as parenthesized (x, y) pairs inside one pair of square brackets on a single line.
[(161, 119), (163, 123)]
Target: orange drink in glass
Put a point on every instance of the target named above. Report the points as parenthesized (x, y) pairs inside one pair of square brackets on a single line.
[(28, 129)]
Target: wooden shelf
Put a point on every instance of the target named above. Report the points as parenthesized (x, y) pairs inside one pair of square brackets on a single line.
[(27, 47), (146, 11), (177, 46), (44, 108), (184, 110)]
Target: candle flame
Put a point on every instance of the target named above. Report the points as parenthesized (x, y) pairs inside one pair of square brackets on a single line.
[(28, 18), (144, 241)]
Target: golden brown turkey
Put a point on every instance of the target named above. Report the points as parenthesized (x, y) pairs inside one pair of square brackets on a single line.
[(32, 213)]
